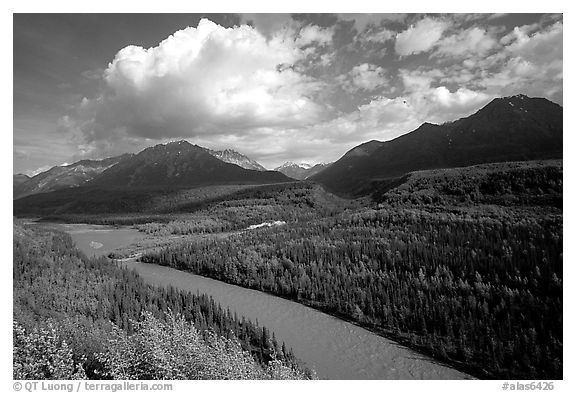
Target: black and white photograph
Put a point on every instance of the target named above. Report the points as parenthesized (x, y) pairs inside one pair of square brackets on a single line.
[(286, 196)]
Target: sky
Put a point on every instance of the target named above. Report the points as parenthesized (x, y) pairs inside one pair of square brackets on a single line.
[(276, 87)]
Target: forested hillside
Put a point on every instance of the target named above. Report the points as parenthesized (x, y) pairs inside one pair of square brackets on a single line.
[(214, 209), (76, 317), (469, 271), (531, 183), (517, 128)]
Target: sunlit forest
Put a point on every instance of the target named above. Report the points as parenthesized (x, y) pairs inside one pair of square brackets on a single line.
[(76, 317)]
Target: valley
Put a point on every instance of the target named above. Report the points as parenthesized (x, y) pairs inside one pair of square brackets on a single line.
[(333, 348), (324, 255), (436, 263)]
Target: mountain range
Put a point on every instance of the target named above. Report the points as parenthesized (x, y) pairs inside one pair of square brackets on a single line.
[(514, 128), (83, 172), (134, 181), (301, 171), (65, 176), (507, 129), (180, 164)]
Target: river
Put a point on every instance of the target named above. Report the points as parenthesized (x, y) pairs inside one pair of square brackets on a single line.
[(335, 349)]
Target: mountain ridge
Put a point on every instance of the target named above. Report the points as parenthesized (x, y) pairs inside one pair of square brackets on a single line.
[(233, 157), (512, 128), (131, 184), (81, 172), (64, 176), (180, 164)]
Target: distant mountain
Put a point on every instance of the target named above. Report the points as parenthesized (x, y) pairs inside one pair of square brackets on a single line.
[(179, 164), (300, 171), (65, 176), (135, 183), (292, 170), (233, 157), (514, 128)]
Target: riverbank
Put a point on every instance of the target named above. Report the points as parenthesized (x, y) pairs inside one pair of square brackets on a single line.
[(387, 334), (334, 348), (333, 345)]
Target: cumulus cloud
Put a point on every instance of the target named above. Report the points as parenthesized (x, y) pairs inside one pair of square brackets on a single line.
[(277, 96), (420, 37), (203, 80), (382, 118)]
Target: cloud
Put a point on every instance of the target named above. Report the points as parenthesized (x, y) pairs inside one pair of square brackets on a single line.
[(475, 41), (267, 24), (540, 47), (497, 16), (441, 105), (362, 21), (420, 37), (532, 63), (433, 102), (277, 96), (367, 77), (520, 33), (206, 80), (326, 58), (528, 60), (381, 118), (419, 79), (379, 35), (314, 34)]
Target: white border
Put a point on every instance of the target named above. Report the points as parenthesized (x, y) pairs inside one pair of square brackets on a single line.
[(355, 6)]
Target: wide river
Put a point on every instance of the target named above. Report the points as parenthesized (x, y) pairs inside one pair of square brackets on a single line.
[(335, 349)]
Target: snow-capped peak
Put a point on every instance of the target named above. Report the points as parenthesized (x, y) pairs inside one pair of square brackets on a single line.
[(233, 157), (289, 164)]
